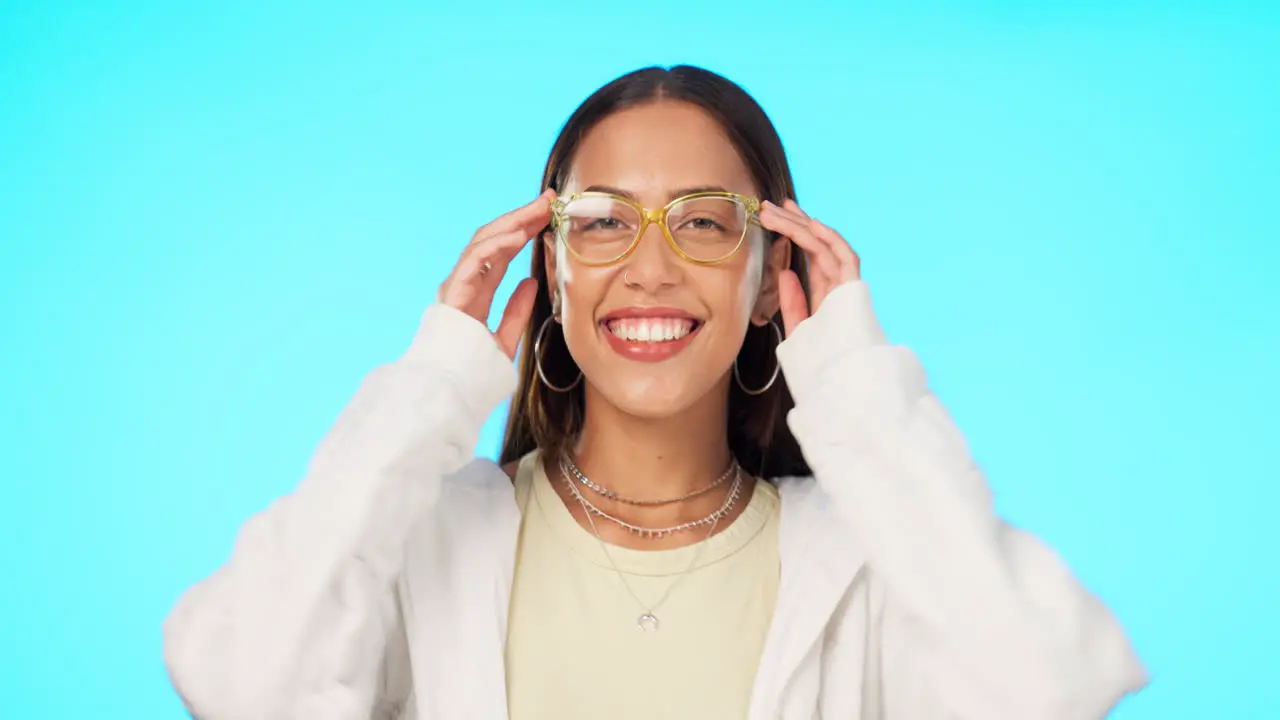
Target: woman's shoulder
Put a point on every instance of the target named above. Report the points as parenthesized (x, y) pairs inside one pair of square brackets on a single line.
[(477, 497), (479, 474), (804, 498), (484, 475), (795, 485), (511, 469)]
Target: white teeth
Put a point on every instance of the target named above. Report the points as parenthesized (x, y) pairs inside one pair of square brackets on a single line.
[(648, 330)]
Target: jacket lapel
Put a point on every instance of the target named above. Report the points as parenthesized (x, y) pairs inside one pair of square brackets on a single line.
[(458, 577), (819, 565)]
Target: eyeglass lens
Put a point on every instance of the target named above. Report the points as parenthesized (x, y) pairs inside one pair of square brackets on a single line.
[(599, 229)]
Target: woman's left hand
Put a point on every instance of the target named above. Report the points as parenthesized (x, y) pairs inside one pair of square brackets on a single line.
[(832, 262)]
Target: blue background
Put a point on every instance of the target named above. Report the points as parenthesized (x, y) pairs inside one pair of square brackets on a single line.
[(216, 218)]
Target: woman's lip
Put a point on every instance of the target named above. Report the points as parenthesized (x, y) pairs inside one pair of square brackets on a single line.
[(649, 351), (649, 312)]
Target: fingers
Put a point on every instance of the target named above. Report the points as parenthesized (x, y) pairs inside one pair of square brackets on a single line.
[(797, 227), (824, 267), (490, 257), (531, 218), (832, 261), (516, 316), (791, 301), (474, 280), (850, 263), (494, 245)]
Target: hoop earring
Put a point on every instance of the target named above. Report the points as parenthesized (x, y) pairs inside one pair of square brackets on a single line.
[(537, 361), (776, 366)]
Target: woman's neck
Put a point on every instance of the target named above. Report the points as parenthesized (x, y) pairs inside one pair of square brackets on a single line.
[(654, 458)]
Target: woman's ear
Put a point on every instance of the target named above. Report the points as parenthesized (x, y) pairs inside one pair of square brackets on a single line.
[(777, 258)]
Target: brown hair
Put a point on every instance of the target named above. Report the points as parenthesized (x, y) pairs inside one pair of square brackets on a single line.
[(758, 434)]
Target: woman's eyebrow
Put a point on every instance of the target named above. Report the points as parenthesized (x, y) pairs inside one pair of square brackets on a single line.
[(680, 192), (612, 191)]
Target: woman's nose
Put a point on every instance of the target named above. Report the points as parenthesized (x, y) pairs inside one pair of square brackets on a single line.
[(654, 263)]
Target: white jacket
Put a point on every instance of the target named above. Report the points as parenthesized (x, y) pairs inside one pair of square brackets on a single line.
[(380, 587)]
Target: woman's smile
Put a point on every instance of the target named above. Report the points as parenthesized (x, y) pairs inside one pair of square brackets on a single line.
[(649, 334)]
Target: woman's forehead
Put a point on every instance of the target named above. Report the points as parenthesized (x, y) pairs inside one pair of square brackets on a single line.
[(655, 151)]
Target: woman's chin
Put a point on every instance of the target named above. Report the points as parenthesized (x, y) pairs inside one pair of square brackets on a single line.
[(649, 398)]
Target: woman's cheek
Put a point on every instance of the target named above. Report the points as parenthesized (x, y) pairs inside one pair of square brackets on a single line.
[(750, 284), (564, 268)]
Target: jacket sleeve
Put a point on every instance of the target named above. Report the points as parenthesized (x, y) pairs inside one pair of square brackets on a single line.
[(303, 620), (981, 621)]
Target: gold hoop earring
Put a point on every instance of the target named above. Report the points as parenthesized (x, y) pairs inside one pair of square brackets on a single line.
[(776, 366), (537, 361)]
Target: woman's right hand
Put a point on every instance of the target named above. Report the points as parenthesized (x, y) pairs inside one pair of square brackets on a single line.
[(474, 280)]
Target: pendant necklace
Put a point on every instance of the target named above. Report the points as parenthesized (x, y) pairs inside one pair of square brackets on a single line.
[(647, 621)]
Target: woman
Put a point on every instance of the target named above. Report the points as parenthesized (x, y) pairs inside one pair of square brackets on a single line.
[(668, 534)]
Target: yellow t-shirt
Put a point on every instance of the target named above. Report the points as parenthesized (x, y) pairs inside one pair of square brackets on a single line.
[(574, 646)]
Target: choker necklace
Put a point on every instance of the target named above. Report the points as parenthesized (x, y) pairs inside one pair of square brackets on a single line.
[(606, 492), (569, 470), (648, 619)]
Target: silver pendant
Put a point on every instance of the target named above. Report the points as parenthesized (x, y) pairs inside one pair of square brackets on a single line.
[(648, 622)]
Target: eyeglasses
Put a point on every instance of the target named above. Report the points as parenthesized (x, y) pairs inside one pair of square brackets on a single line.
[(705, 228)]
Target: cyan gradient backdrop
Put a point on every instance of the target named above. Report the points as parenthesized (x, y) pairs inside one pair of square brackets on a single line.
[(216, 218)]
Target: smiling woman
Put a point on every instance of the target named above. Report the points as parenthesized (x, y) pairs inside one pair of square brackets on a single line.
[(692, 516)]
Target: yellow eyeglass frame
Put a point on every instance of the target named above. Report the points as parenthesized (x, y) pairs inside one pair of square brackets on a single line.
[(654, 216)]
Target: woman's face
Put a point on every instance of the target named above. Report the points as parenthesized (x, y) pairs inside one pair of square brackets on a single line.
[(655, 153)]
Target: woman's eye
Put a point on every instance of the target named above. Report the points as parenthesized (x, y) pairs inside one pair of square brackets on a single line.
[(606, 223), (703, 224)]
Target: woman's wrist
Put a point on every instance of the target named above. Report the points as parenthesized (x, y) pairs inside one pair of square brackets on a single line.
[(459, 350), (845, 324)]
